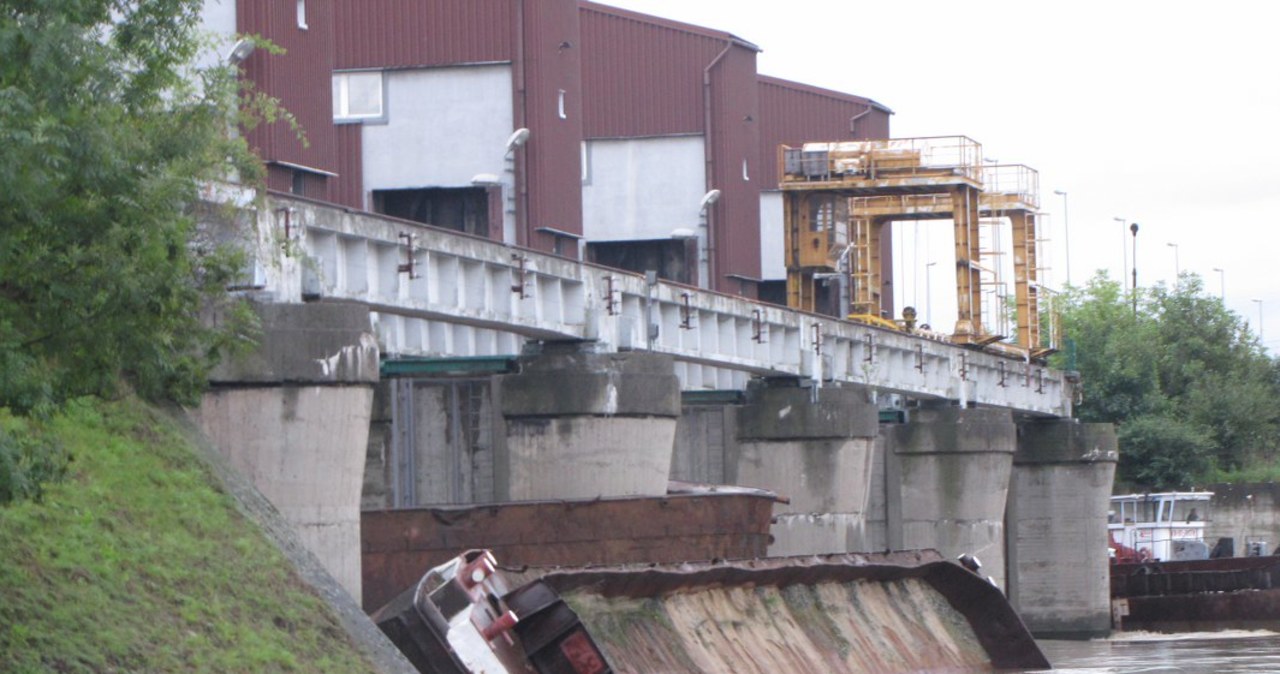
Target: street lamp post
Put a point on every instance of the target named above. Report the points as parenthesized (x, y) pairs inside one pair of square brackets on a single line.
[(1066, 230), (1124, 251), (1133, 227), (1222, 284), (1177, 268), (928, 293)]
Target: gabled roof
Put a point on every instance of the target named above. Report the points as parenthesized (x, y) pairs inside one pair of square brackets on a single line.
[(819, 91), (667, 23)]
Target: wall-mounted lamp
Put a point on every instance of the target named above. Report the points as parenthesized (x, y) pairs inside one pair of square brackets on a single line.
[(518, 137), (708, 200), (241, 51)]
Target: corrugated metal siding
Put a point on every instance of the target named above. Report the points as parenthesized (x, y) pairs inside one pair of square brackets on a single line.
[(551, 160), (735, 138), (793, 113), (642, 77), (405, 33), (348, 188), (300, 78)]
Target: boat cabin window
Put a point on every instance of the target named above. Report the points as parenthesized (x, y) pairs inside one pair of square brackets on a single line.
[(1185, 512)]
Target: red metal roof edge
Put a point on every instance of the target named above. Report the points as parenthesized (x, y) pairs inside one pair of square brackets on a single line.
[(819, 91), (667, 23)]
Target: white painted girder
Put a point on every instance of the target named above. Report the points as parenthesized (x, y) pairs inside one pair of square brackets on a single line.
[(467, 296)]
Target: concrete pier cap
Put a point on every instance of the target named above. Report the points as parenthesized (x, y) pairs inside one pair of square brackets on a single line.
[(582, 422), (791, 408)]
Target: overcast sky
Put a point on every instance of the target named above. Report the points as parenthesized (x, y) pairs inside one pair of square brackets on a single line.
[(1147, 111)]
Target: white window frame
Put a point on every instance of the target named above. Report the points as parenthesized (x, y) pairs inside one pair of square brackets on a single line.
[(341, 98), (302, 14)]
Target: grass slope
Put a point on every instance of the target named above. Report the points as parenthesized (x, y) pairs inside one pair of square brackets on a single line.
[(137, 563)]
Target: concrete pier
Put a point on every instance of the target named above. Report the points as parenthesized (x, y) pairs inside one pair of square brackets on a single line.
[(1057, 520), (581, 424), (294, 418), (814, 447), (953, 466)]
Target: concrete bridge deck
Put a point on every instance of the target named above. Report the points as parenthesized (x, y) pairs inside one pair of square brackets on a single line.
[(438, 293)]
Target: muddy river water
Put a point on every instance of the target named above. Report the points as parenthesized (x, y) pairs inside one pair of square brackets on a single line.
[(1191, 653)]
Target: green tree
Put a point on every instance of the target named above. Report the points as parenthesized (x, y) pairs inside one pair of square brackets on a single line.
[(1187, 384), (1115, 352), (106, 135)]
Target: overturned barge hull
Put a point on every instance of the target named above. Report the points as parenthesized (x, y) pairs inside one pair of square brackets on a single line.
[(896, 612)]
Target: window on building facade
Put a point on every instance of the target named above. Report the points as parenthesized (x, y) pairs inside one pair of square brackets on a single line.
[(560, 106), (357, 96), (302, 14)]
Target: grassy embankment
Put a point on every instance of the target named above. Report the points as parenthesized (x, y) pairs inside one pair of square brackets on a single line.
[(137, 562)]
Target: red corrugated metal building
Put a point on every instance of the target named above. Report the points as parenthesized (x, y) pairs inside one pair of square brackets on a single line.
[(579, 72)]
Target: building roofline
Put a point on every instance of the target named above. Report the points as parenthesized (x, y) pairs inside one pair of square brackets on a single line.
[(690, 28), (819, 91)]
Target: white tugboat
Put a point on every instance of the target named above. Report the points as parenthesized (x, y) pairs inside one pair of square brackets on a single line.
[(1167, 526)]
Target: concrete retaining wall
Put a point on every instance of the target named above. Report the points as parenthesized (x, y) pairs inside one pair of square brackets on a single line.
[(1244, 512)]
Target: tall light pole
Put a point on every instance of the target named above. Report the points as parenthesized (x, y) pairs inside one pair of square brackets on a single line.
[(1222, 284), (1260, 335), (1177, 268), (1066, 230), (928, 293), (1124, 251), (1133, 227)]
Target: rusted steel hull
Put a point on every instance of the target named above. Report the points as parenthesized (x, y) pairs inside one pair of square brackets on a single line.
[(400, 545), (1195, 596)]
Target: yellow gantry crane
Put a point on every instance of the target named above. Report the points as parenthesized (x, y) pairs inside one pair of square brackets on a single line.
[(838, 197)]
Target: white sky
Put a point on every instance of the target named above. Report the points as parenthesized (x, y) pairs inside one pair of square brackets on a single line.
[(1167, 114)]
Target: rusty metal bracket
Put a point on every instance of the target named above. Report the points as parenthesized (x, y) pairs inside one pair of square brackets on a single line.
[(686, 313), (287, 224), (610, 303), (1039, 381), (520, 269), (409, 240), (817, 338), (757, 326), (871, 348), (964, 367), (1001, 383), (920, 358)]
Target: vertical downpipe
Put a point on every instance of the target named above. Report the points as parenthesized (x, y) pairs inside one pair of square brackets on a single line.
[(709, 155), (521, 121)]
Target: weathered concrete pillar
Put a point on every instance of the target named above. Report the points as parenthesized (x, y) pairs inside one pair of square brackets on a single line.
[(954, 466), (582, 424), (1061, 489), (813, 447), (707, 437), (294, 418)]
